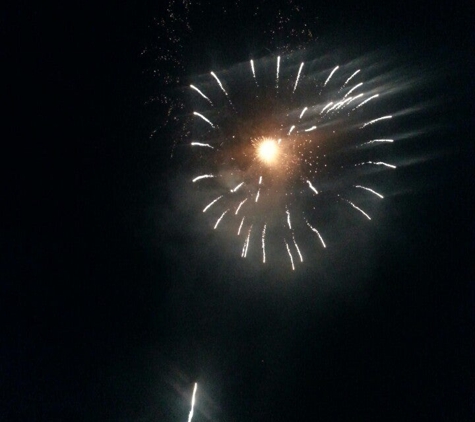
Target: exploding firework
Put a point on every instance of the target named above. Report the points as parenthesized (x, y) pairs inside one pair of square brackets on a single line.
[(277, 142)]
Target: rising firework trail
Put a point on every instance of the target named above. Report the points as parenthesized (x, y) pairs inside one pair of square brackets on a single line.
[(190, 415)]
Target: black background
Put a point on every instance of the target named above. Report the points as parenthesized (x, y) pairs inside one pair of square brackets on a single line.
[(105, 320)]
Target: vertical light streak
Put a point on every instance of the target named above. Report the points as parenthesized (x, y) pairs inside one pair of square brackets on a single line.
[(240, 225), (220, 218), (290, 255), (253, 71), (303, 112), (277, 74), (204, 176), (258, 193), (291, 129), (318, 234), (369, 190), (190, 415), (288, 218), (298, 77), (246, 244), (240, 205), (331, 74), (312, 187), (204, 118), (376, 120), (264, 244), (297, 247), (352, 89), (222, 87), (199, 92), (260, 179), (211, 203), (237, 187), (365, 101)]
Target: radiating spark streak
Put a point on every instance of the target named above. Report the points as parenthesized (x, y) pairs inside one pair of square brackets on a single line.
[(310, 129), (201, 93), (246, 243), (253, 70), (220, 218), (331, 74), (288, 218), (277, 74), (333, 107), (203, 117), (298, 77), (291, 129), (351, 99), (190, 415), (257, 196), (381, 163), (290, 254), (204, 176), (211, 203), (240, 225), (324, 108), (343, 103), (374, 141), (365, 101), (297, 247), (199, 144), (260, 179), (359, 209), (318, 234), (219, 83), (312, 187), (350, 78), (264, 244), (303, 111), (370, 190), (240, 205), (376, 120), (279, 141), (237, 187), (352, 89)]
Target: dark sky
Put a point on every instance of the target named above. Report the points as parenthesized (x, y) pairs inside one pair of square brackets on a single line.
[(115, 304)]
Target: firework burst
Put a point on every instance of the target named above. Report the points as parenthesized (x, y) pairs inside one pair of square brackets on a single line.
[(277, 142)]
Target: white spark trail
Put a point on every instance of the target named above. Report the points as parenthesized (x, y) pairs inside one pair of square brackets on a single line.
[(365, 101), (310, 129), (318, 234), (220, 218), (290, 255), (201, 93), (211, 203), (240, 226), (257, 196), (297, 247), (264, 244), (351, 99), (237, 187), (359, 209), (246, 244), (288, 218), (331, 74), (291, 129), (370, 190), (298, 77), (190, 415), (204, 118), (312, 187), (376, 120), (240, 205), (374, 141), (324, 108), (352, 89), (277, 74), (260, 179), (381, 163), (303, 112), (204, 176), (199, 144), (350, 78), (253, 70)]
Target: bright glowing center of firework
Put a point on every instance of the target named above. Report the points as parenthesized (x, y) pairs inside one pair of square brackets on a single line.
[(268, 151)]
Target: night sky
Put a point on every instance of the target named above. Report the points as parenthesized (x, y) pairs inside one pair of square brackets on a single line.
[(115, 298)]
